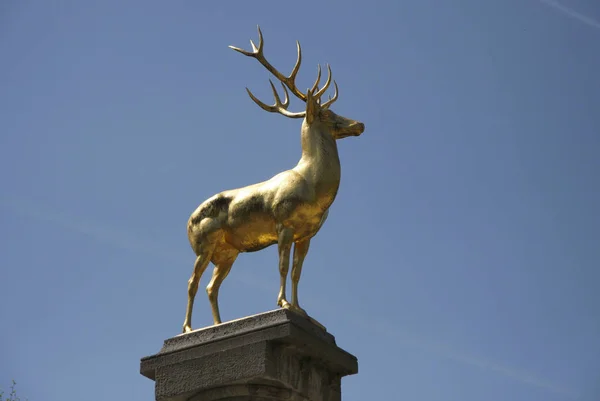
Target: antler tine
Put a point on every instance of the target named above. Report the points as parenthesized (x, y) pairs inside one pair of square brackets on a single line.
[(257, 53), (278, 107), (292, 77), (286, 102), (316, 85), (324, 88), (331, 99)]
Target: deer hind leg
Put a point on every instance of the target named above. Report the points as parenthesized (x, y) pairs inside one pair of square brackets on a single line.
[(200, 265), (284, 245), (223, 260), (300, 251)]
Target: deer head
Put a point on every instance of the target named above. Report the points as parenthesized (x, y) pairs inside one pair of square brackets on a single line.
[(316, 113)]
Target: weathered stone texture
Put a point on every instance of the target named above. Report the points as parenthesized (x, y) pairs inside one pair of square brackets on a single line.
[(276, 355)]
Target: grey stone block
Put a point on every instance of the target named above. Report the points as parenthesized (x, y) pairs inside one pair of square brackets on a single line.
[(276, 355)]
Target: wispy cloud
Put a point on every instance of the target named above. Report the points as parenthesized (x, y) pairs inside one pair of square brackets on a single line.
[(125, 240), (571, 13), (447, 351)]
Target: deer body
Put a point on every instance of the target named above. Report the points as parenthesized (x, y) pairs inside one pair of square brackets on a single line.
[(248, 217), (288, 209)]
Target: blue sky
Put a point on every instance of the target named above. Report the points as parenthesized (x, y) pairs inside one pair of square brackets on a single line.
[(459, 261)]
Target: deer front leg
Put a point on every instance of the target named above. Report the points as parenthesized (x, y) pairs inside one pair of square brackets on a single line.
[(284, 244), (300, 251)]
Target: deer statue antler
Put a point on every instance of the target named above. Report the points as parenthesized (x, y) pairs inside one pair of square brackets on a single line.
[(289, 81), (278, 107), (257, 53)]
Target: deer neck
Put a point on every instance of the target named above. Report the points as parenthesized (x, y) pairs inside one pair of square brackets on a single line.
[(320, 163)]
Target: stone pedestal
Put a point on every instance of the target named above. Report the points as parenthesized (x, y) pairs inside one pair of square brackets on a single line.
[(272, 356)]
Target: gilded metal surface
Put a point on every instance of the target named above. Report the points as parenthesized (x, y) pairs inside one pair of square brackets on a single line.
[(289, 209)]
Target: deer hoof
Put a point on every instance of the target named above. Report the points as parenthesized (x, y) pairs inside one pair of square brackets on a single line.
[(284, 304)]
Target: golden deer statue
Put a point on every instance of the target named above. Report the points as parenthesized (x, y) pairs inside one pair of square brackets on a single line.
[(290, 208)]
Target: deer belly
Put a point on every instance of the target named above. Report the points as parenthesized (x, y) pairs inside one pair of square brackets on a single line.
[(256, 232), (260, 231)]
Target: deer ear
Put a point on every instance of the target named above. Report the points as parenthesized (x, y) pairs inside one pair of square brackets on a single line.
[(312, 107)]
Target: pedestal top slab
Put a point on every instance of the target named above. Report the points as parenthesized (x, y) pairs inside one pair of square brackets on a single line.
[(279, 326), (242, 326)]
